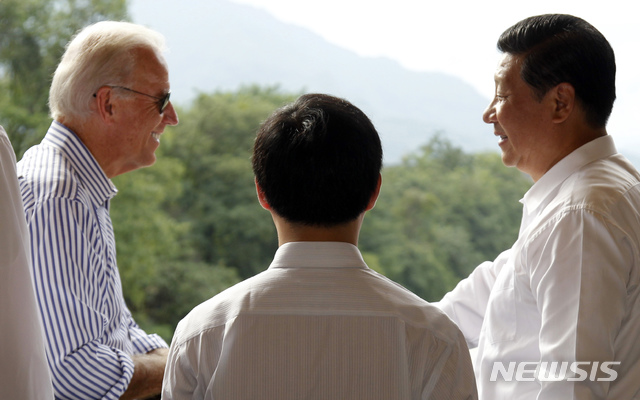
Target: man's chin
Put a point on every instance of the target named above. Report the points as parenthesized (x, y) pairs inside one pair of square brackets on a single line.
[(508, 160)]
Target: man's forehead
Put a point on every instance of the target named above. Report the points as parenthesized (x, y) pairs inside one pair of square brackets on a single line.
[(507, 65), (151, 68)]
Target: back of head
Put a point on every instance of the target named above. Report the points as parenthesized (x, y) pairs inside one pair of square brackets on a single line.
[(318, 161), (559, 48), (100, 54)]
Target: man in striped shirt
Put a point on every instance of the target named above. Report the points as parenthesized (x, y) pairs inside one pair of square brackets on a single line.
[(318, 323), (110, 103)]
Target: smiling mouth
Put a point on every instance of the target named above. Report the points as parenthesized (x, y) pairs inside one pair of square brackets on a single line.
[(502, 138), (156, 136)]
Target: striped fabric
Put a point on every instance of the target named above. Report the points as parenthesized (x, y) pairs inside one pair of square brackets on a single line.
[(90, 334), (318, 324)]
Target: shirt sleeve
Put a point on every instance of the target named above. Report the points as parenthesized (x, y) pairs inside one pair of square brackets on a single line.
[(180, 378), (143, 342), (451, 376), (579, 267), (466, 304), (76, 306)]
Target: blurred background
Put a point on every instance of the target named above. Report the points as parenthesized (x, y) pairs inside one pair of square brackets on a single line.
[(190, 226)]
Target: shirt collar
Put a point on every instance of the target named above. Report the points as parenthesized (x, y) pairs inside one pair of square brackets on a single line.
[(318, 255), (100, 188), (594, 150)]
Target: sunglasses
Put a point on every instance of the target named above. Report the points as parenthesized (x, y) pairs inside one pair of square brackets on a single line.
[(163, 101)]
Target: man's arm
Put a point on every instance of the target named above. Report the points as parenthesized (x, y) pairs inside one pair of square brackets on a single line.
[(78, 301), (467, 302), (578, 269), (448, 371), (180, 380), (147, 375)]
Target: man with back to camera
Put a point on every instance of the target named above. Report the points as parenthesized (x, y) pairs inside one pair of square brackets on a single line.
[(557, 315), (110, 103), (318, 323)]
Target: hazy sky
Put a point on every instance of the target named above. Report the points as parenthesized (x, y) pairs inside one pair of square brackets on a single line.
[(458, 37)]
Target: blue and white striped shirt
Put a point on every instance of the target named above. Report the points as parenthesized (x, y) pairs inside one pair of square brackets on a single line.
[(90, 333)]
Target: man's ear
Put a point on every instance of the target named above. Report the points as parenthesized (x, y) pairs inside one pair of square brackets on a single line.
[(261, 197), (104, 103), (565, 101), (376, 193)]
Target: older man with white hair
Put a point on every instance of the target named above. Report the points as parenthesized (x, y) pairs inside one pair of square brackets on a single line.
[(109, 99)]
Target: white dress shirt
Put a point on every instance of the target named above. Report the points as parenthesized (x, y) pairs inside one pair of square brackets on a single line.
[(24, 373), (569, 288), (318, 324)]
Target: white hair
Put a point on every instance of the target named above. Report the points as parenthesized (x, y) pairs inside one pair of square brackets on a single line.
[(100, 54)]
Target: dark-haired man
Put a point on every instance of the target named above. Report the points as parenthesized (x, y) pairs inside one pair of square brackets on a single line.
[(557, 315), (318, 323)]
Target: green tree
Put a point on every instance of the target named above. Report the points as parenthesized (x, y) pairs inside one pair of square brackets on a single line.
[(33, 34), (190, 226), (215, 140), (161, 277), (440, 213)]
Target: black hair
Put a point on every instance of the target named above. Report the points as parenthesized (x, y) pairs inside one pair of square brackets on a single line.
[(318, 160), (559, 48)]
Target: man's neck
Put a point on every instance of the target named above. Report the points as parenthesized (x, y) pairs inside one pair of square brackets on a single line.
[(293, 232), (565, 143)]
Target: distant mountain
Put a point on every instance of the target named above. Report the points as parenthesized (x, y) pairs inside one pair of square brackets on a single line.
[(216, 44)]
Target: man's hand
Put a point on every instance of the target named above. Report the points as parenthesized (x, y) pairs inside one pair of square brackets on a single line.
[(147, 375)]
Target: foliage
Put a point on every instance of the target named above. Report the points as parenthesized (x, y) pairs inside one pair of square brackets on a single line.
[(440, 213), (147, 236), (214, 140), (33, 34), (191, 226)]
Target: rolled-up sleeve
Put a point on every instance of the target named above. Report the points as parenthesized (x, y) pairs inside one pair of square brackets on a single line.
[(141, 340)]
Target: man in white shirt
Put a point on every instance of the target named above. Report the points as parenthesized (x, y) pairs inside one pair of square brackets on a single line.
[(318, 323), (24, 373), (557, 315)]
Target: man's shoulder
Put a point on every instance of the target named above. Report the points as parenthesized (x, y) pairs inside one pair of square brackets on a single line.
[(601, 185), (615, 172), (263, 294), (45, 173), (419, 314), (402, 297), (214, 312)]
